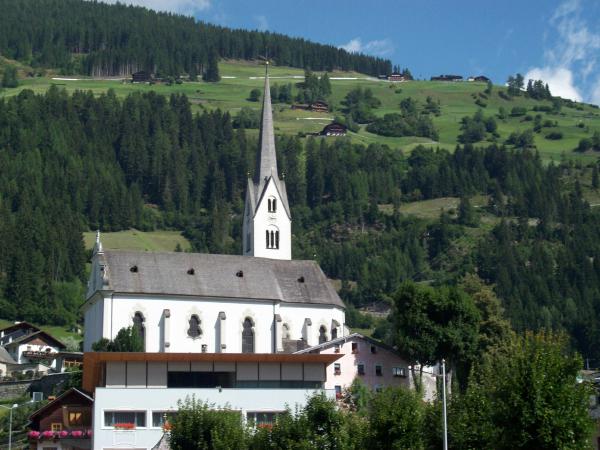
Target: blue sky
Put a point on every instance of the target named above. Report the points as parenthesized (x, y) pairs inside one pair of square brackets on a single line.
[(554, 40)]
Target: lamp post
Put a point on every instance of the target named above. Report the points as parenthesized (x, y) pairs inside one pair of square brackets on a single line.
[(444, 402), (10, 409)]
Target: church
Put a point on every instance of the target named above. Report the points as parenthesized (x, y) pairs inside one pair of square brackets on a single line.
[(262, 301)]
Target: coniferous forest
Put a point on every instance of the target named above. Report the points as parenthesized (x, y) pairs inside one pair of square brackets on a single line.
[(104, 40), (80, 162)]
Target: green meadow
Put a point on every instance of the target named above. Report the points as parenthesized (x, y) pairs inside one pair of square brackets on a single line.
[(456, 99), (152, 241)]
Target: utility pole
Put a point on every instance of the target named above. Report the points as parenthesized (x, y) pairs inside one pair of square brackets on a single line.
[(444, 402)]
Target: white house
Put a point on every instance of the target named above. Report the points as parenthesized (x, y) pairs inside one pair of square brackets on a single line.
[(376, 364)]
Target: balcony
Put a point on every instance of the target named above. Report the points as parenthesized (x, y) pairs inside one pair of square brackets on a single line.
[(35, 355)]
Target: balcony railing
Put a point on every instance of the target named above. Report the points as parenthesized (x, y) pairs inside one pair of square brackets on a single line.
[(32, 354)]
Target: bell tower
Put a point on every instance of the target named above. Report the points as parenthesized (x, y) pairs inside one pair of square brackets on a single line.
[(267, 220)]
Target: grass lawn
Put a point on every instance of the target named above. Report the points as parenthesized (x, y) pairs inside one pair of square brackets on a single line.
[(157, 241)]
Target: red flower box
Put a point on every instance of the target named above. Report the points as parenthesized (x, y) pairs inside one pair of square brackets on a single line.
[(124, 426)]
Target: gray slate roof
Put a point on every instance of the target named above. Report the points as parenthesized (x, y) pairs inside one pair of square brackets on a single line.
[(5, 357), (166, 273)]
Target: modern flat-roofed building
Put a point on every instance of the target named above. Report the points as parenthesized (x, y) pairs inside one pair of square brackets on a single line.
[(140, 389)]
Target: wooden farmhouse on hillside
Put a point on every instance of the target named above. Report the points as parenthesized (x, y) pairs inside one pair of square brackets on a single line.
[(334, 129), (142, 77), (395, 76), (447, 78), (317, 106)]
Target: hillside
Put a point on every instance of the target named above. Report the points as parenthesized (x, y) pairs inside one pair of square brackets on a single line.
[(456, 100), (81, 153)]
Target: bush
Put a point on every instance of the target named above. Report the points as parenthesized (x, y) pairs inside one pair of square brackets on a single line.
[(197, 426), (254, 95), (555, 135), (518, 111)]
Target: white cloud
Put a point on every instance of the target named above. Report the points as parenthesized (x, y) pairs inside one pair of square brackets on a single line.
[(262, 22), (377, 47), (188, 7), (574, 55), (559, 79)]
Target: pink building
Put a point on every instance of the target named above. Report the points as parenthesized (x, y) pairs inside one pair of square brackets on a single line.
[(376, 364)]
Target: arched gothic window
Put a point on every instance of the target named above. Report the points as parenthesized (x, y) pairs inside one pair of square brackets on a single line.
[(322, 334), (272, 238), (194, 331), (139, 327), (334, 333), (248, 336), (286, 331), (272, 204)]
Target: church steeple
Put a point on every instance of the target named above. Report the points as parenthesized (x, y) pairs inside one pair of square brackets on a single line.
[(266, 161), (267, 219)]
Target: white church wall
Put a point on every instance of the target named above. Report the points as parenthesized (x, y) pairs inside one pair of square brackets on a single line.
[(207, 310), (121, 310), (294, 315)]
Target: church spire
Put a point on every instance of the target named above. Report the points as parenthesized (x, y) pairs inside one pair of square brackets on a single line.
[(266, 160)]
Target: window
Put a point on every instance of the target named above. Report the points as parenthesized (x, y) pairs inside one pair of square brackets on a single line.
[(338, 392), (361, 369), (272, 204), (337, 348), (56, 426), (138, 418), (75, 418), (334, 333), (373, 349), (378, 370), (398, 371), (272, 238), (355, 347), (337, 369), (248, 336), (262, 418), (194, 330), (158, 418), (322, 334), (138, 326), (286, 331)]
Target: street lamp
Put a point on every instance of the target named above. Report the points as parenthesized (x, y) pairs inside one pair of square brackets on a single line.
[(10, 409), (444, 397)]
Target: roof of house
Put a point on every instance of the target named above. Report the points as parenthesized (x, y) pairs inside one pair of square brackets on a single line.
[(222, 276), (71, 391), (344, 339), (39, 334), (17, 325), (5, 357)]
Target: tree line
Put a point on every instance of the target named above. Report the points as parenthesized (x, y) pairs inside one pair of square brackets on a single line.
[(99, 39)]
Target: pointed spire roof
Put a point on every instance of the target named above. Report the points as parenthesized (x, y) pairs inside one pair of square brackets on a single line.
[(266, 161)]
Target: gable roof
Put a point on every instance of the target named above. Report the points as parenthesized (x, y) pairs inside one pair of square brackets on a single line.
[(344, 339), (39, 334), (5, 357), (72, 391), (166, 273), (16, 326)]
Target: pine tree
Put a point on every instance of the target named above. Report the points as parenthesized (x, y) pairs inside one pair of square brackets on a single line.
[(212, 71)]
